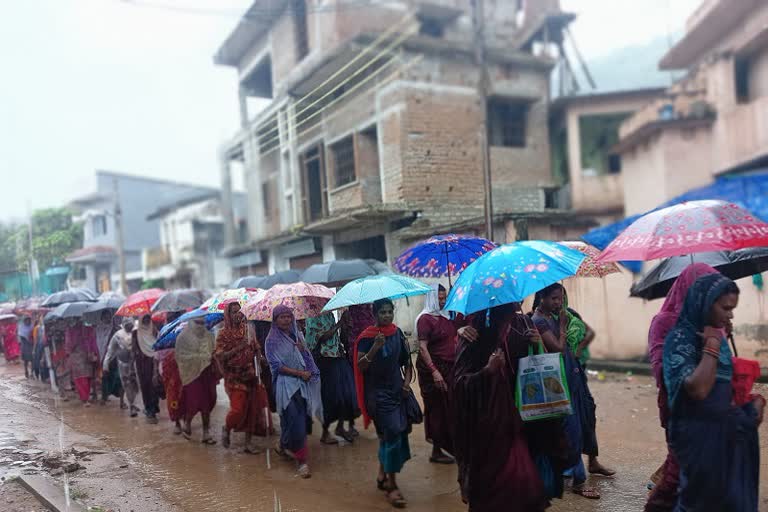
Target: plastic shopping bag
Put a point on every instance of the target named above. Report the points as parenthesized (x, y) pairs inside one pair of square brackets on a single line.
[(542, 389)]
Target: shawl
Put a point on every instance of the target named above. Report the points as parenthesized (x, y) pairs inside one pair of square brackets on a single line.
[(369, 332), (318, 326), (666, 319), (194, 350), (103, 332), (239, 368), (431, 307), (288, 350), (683, 345), (145, 334)]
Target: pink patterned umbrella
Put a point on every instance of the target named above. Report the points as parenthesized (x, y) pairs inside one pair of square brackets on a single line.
[(239, 295), (688, 228), (590, 267), (306, 301)]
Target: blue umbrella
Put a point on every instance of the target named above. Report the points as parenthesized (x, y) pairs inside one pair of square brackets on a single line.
[(369, 289), (511, 273), (442, 255), (168, 334)]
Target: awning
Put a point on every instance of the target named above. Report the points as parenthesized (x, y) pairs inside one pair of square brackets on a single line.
[(748, 190), (57, 271)]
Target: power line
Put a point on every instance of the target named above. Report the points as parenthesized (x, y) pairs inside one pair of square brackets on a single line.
[(249, 15)]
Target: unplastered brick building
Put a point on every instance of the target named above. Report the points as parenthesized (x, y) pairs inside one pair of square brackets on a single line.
[(372, 135)]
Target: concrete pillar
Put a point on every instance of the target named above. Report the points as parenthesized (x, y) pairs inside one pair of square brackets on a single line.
[(243, 104), (226, 201)]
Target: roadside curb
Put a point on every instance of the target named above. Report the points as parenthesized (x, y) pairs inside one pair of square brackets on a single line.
[(49, 494)]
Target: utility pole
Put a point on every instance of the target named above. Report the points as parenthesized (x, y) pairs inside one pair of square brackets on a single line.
[(119, 234), (478, 20), (33, 271)]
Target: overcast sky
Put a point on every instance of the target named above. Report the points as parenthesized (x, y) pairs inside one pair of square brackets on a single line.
[(119, 85)]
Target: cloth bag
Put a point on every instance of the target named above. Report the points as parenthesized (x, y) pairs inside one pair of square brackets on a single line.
[(745, 373), (542, 388)]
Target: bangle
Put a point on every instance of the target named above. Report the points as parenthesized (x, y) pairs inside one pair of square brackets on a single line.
[(365, 358), (712, 352)]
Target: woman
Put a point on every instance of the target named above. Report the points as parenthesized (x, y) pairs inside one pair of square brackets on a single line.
[(504, 465), (169, 370), (296, 380), (664, 495), (354, 321), (120, 352), (383, 375), (194, 358), (437, 351), (715, 442), (27, 344), (8, 331), (110, 381), (552, 321), (235, 353), (338, 382), (82, 355), (144, 337), (39, 363)]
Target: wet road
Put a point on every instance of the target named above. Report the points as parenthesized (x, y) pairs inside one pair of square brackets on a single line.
[(195, 477)]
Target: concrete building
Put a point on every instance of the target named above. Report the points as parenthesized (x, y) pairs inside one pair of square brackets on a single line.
[(372, 136), (96, 265), (192, 243), (711, 123)]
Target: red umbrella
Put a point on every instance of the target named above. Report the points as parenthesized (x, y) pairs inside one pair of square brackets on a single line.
[(140, 303), (688, 228)]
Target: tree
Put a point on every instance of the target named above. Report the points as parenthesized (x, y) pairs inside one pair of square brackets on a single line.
[(8, 246), (54, 236)]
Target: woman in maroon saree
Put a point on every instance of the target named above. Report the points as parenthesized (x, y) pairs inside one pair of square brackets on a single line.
[(503, 465)]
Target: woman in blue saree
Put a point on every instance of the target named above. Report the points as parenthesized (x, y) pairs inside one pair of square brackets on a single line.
[(383, 375), (716, 442)]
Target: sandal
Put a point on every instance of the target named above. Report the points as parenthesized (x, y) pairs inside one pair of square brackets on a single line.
[(442, 459), (347, 436), (587, 492), (329, 439), (209, 441), (395, 498), (187, 434), (381, 484), (281, 451), (304, 471), (253, 450), (603, 471)]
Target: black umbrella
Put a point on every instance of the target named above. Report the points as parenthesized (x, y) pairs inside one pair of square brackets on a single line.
[(284, 277), (734, 264), (248, 282), (68, 310), (71, 295), (335, 273), (179, 300)]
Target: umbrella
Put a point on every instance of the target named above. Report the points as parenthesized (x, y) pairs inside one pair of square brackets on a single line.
[(688, 228), (511, 273), (442, 255), (370, 289), (8, 317), (7, 308), (334, 273), (590, 267), (306, 301), (71, 295), (179, 300), (734, 264), (248, 282), (30, 305), (140, 303), (107, 301), (239, 295), (69, 310)]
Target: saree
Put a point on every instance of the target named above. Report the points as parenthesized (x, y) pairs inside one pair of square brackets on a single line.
[(173, 388), (146, 369), (664, 494), (715, 442), (11, 348), (503, 466), (193, 354), (83, 356), (381, 394)]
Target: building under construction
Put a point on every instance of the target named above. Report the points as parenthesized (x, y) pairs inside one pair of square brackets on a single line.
[(374, 134)]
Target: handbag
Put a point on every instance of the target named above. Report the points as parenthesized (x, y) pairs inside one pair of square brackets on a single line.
[(413, 412), (745, 373), (542, 387)]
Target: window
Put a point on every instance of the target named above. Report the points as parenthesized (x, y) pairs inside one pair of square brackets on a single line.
[(507, 123), (343, 155), (266, 199), (431, 27), (299, 8), (99, 224), (741, 70)]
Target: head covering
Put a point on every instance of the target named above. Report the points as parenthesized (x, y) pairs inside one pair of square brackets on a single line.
[(683, 345), (287, 349), (194, 350), (432, 307), (145, 334), (103, 330), (666, 319)]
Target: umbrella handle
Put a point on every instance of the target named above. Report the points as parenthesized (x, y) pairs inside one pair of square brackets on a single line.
[(733, 344)]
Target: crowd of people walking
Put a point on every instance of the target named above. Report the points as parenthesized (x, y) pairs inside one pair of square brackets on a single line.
[(334, 369)]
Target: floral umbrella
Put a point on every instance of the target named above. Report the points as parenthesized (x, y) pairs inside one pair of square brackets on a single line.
[(239, 295), (140, 303), (306, 301), (590, 267), (510, 274), (442, 255), (688, 228)]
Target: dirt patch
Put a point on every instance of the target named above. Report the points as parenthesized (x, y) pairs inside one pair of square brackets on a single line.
[(14, 498)]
